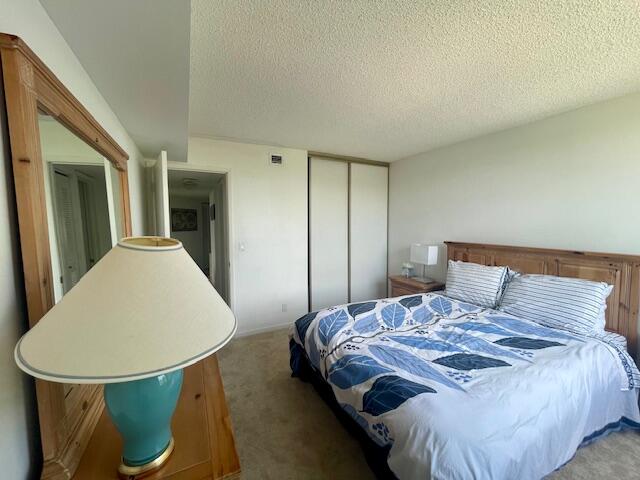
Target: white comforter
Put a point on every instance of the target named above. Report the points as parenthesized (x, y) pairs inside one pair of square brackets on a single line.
[(458, 392)]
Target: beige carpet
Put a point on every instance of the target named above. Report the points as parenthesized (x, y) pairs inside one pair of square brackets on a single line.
[(285, 431)]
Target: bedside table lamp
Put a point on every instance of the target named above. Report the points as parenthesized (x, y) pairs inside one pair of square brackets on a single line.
[(425, 255), (133, 322)]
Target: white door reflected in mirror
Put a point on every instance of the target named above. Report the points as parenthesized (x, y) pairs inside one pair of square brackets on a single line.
[(81, 219)]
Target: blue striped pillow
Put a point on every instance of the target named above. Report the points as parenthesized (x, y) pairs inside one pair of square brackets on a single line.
[(473, 283), (558, 302)]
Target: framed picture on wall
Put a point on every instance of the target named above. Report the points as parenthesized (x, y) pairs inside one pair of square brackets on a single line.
[(184, 219)]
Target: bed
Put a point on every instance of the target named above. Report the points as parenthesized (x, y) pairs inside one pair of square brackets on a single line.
[(437, 388)]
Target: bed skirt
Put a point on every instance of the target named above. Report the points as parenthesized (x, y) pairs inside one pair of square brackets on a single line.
[(375, 455)]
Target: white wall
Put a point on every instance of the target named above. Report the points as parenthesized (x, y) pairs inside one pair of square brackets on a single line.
[(19, 440), (58, 143), (268, 216), (569, 182), (192, 241)]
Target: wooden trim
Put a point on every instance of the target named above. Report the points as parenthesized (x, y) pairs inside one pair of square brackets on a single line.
[(29, 86), (620, 270), (548, 251), (344, 158)]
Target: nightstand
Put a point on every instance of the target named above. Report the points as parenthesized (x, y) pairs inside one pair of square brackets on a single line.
[(406, 286)]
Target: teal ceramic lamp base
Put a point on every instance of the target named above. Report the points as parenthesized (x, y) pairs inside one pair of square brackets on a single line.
[(141, 410)]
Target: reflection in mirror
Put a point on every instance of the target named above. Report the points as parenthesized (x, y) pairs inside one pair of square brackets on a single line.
[(83, 211), (81, 203), (81, 218)]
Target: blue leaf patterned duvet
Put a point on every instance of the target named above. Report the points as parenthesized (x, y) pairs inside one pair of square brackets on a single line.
[(462, 392)]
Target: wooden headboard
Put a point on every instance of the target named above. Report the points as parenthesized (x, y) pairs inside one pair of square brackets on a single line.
[(621, 271)]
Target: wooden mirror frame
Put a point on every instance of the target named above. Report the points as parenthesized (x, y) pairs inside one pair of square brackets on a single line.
[(30, 86)]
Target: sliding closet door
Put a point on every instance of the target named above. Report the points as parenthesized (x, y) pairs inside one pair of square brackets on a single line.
[(328, 232), (368, 231)]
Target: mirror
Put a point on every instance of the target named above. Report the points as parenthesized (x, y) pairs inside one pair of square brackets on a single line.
[(83, 205), (83, 208), (72, 202)]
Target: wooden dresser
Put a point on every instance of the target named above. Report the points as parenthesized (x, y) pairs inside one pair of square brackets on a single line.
[(406, 286), (205, 445)]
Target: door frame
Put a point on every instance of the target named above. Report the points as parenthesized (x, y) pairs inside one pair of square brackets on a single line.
[(160, 175), (227, 172)]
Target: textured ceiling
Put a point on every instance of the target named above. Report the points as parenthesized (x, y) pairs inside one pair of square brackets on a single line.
[(388, 79), (137, 54)]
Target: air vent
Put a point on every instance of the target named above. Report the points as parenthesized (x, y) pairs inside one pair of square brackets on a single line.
[(276, 160)]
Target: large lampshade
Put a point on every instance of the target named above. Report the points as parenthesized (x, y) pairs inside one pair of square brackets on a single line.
[(145, 309)]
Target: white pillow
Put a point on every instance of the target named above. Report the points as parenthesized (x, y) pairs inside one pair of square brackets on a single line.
[(477, 284), (615, 338), (567, 303)]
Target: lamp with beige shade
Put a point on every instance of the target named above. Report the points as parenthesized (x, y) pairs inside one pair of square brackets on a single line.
[(133, 322)]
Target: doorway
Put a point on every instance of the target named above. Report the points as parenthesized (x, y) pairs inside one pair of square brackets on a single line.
[(198, 218)]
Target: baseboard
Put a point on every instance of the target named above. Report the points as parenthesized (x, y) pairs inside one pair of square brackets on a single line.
[(255, 331)]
